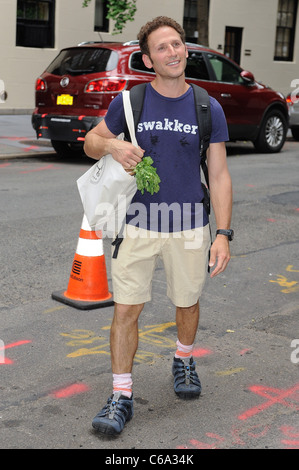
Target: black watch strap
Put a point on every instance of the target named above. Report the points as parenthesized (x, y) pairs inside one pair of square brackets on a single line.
[(228, 233)]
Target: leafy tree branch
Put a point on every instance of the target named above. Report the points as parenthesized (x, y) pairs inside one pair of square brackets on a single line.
[(120, 11)]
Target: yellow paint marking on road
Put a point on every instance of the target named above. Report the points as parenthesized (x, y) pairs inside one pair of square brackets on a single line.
[(54, 309), (223, 373), (290, 269), (149, 334)]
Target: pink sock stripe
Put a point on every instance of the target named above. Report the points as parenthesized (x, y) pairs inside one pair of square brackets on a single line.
[(122, 389), (182, 354)]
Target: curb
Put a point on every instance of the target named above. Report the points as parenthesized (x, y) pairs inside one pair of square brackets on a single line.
[(9, 156)]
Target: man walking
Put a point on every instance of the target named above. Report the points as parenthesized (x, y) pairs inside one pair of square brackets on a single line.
[(175, 151)]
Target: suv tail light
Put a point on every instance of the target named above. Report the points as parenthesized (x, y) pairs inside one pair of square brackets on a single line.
[(292, 99), (40, 85), (106, 85)]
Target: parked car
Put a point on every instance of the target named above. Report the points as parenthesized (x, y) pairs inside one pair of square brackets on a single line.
[(74, 92), (293, 104)]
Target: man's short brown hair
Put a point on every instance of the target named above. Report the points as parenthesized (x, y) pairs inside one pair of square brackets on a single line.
[(154, 24)]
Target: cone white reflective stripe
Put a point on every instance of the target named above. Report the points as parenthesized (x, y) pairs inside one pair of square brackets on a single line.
[(90, 247)]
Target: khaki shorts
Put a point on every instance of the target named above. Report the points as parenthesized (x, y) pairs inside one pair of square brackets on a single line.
[(185, 259)]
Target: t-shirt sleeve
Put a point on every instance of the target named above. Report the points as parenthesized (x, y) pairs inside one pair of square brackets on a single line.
[(115, 117), (219, 124)]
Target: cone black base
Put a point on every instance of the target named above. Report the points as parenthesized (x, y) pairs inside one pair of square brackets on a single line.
[(82, 304)]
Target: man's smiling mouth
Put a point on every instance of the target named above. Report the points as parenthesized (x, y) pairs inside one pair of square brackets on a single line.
[(174, 62)]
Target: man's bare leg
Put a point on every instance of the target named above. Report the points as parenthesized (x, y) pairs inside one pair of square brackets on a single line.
[(124, 337), (187, 319)]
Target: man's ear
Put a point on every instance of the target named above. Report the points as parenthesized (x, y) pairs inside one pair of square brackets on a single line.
[(147, 61)]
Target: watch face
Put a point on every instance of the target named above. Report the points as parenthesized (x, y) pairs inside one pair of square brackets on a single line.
[(231, 236)]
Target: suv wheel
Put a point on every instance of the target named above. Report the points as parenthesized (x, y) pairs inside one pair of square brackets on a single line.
[(273, 132), (67, 149)]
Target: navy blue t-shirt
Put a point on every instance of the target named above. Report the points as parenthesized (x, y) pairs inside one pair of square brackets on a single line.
[(168, 132)]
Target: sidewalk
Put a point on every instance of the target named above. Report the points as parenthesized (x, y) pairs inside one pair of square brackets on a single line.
[(18, 138)]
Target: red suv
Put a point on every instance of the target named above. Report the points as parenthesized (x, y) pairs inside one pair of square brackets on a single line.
[(74, 92)]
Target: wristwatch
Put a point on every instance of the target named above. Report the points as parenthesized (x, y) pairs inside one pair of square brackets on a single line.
[(229, 233)]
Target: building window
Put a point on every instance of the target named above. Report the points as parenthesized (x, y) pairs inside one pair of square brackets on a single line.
[(35, 23), (190, 20), (285, 29), (101, 22)]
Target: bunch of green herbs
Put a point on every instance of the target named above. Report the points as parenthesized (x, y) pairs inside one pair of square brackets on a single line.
[(147, 178)]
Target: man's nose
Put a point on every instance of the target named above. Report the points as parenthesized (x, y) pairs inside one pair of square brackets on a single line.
[(171, 49)]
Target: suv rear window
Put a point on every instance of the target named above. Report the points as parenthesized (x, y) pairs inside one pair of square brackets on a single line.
[(82, 60)]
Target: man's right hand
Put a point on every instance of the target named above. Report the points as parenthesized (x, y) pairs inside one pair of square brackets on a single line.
[(99, 141), (126, 153)]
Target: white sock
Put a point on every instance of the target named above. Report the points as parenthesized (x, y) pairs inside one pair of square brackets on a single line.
[(183, 351), (123, 383)]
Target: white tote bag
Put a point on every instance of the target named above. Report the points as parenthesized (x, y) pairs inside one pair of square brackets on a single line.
[(106, 189)]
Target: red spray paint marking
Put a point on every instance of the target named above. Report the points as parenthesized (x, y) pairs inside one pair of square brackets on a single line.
[(12, 345), (3, 165), (74, 389), (288, 431), (203, 445), (6, 361), (32, 147), (290, 444), (197, 445), (255, 432), (200, 352), (10, 137), (48, 167), (274, 396), (244, 351), (18, 343)]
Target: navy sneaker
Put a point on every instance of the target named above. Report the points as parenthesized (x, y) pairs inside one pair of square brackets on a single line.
[(113, 417), (186, 381)]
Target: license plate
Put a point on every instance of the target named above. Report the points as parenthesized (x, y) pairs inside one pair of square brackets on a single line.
[(65, 100)]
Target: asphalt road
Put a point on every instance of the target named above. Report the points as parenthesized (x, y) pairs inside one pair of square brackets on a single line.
[(55, 362)]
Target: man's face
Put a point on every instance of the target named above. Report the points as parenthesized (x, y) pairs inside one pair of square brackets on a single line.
[(168, 54)]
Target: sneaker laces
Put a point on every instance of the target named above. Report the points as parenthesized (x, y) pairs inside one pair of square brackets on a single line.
[(112, 406), (188, 377), (188, 369)]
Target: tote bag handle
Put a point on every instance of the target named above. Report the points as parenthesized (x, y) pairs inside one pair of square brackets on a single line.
[(129, 116)]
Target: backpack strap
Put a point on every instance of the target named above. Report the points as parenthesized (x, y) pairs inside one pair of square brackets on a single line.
[(203, 113)]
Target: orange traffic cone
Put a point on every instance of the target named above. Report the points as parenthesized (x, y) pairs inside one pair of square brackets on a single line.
[(88, 284)]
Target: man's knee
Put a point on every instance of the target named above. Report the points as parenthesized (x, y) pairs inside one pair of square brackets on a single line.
[(127, 313)]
